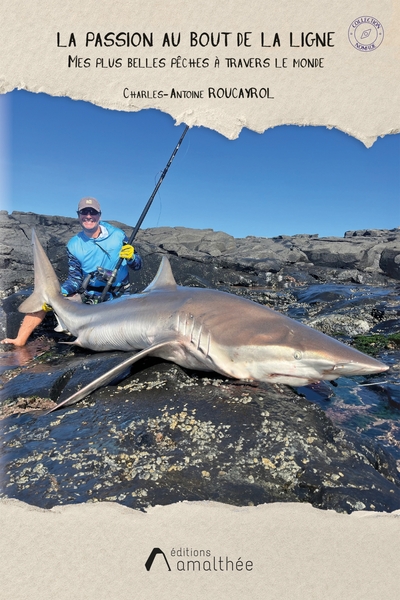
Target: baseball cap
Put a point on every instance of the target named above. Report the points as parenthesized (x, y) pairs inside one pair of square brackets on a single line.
[(89, 203)]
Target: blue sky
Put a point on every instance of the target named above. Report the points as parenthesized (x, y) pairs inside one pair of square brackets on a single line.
[(287, 180)]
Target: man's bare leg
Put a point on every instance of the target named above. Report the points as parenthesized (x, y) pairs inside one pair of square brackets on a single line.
[(29, 323)]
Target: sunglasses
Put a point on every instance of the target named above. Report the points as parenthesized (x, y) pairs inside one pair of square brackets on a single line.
[(88, 211)]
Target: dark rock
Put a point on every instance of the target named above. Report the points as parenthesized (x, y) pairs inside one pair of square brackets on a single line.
[(390, 260), (11, 318), (165, 435), (57, 382), (354, 257), (342, 253), (387, 327), (385, 233)]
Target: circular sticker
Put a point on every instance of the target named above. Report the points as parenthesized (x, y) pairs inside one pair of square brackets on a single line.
[(366, 34)]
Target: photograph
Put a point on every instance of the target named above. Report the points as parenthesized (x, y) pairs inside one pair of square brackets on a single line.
[(199, 323), (166, 391)]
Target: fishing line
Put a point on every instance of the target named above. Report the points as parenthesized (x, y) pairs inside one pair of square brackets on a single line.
[(377, 383), (159, 195), (159, 198), (187, 149)]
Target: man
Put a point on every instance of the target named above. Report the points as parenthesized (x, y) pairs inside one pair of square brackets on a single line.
[(99, 244)]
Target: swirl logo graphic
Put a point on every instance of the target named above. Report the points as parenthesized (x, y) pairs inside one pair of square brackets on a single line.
[(366, 34)]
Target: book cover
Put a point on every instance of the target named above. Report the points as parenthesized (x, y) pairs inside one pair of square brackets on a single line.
[(293, 115)]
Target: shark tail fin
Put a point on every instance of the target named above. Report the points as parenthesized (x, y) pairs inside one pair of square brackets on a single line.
[(46, 284)]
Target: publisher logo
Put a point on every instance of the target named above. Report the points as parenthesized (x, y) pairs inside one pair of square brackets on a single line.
[(366, 34), (153, 554), (197, 560)]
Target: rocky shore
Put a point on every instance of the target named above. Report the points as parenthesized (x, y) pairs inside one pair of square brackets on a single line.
[(163, 434), (365, 256)]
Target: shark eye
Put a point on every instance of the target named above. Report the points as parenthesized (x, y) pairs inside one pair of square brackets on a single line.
[(298, 355)]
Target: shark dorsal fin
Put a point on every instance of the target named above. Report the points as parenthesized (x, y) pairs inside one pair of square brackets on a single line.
[(164, 279)]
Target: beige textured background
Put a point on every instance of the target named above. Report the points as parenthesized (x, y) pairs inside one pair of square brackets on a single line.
[(357, 92), (98, 551)]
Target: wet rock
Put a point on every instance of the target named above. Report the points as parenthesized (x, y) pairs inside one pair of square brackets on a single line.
[(164, 435), (387, 327), (393, 395), (68, 372)]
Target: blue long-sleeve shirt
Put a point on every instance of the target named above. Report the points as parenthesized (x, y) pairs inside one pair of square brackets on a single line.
[(86, 254)]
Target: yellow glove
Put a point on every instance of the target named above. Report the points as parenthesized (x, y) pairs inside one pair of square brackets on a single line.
[(46, 307), (127, 252)]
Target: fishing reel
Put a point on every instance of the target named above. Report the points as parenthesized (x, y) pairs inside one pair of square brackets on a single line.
[(103, 274), (93, 295), (100, 274)]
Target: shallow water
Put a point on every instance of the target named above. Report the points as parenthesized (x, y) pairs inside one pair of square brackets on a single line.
[(13, 357), (366, 405)]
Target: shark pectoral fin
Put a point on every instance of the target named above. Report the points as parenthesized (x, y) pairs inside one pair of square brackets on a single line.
[(36, 412), (107, 377), (61, 328)]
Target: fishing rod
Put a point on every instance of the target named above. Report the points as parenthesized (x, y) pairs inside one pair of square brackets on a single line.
[(113, 275)]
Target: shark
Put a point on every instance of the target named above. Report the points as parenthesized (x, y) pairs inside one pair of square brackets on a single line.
[(196, 328)]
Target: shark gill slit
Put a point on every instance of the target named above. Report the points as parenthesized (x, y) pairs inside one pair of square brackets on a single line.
[(199, 337)]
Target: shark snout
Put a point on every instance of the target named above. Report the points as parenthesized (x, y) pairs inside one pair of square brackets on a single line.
[(369, 366)]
